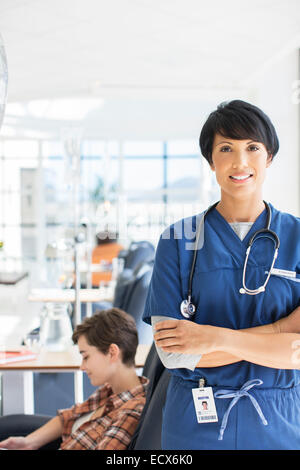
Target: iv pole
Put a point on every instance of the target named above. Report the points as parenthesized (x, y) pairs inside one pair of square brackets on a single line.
[(71, 140)]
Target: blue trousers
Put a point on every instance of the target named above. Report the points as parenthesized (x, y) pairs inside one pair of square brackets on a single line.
[(244, 430)]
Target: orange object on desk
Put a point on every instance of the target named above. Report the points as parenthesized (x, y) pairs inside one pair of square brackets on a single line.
[(6, 357), (104, 252)]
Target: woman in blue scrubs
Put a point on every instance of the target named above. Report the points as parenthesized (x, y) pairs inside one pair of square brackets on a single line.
[(242, 350)]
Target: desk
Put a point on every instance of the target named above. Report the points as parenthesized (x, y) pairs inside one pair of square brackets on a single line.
[(68, 295), (85, 268), (68, 361)]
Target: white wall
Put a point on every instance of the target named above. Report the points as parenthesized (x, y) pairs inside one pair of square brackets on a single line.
[(274, 94)]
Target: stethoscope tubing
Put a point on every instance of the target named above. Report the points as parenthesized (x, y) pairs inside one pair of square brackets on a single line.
[(187, 308), (189, 296)]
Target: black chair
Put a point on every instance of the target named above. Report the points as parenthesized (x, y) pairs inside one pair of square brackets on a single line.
[(130, 295), (134, 301), (153, 368), (148, 432), (125, 283), (147, 435), (137, 253)]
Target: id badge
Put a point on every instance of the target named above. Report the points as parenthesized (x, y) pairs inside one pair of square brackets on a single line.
[(205, 407)]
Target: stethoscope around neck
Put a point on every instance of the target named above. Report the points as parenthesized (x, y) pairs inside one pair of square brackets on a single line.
[(187, 307)]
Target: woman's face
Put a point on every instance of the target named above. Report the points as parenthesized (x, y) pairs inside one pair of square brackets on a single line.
[(98, 366), (240, 166)]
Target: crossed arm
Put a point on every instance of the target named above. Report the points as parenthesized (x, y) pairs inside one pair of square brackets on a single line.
[(275, 345)]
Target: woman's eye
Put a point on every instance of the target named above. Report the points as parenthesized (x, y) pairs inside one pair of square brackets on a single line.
[(225, 149), (253, 148)]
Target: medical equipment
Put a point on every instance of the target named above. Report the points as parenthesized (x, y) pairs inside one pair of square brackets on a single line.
[(187, 308), (56, 328)]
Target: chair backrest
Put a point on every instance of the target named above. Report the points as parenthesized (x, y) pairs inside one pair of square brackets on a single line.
[(130, 295), (149, 430), (153, 369), (139, 277), (135, 299), (124, 280), (136, 260), (138, 252)]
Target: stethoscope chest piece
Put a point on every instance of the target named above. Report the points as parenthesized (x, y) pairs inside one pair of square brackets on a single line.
[(187, 308)]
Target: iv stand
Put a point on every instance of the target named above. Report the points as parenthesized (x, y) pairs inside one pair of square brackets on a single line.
[(72, 149)]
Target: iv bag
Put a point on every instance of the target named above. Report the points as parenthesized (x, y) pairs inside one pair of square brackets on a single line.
[(3, 80)]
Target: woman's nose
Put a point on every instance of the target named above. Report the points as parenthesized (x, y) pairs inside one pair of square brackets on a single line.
[(240, 159)]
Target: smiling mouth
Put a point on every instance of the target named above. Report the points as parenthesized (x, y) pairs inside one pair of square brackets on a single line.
[(241, 177)]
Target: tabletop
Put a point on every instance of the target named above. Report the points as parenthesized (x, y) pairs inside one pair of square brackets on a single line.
[(69, 360), (68, 295)]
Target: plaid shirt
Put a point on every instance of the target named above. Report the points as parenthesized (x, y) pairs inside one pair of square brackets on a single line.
[(114, 429)]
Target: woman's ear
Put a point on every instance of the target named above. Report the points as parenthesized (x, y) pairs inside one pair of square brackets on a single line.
[(114, 352), (269, 160)]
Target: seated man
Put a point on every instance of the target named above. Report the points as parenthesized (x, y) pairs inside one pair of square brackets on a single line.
[(107, 420)]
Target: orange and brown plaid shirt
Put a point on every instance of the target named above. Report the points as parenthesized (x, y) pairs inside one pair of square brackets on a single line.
[(114, 429)]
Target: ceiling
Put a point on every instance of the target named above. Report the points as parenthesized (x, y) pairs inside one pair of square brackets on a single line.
[(142, 55)]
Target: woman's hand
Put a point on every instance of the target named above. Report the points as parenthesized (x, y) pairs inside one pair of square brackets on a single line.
[(17, 443), (184, 336)]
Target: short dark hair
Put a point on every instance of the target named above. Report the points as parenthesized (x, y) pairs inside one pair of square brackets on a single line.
[(239, 120), (111, 326)]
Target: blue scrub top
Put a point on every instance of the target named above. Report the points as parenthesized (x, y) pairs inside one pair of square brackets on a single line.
[(216, 284)]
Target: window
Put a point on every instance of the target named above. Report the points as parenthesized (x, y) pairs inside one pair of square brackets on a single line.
[(142, 186)]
